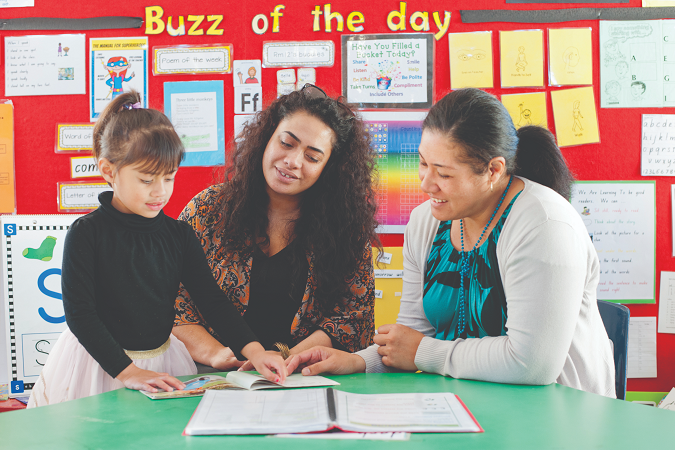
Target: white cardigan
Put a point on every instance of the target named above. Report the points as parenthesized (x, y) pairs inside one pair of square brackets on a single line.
[(550, 271)]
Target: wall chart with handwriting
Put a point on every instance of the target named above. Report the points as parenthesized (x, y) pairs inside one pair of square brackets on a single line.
[(637, 63), (620, 218), (658, 145)]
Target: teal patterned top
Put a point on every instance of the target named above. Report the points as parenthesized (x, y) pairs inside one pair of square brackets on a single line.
[(484, 294)]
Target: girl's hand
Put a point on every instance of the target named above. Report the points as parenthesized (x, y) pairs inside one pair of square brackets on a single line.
[(147, 380), (266, 363)]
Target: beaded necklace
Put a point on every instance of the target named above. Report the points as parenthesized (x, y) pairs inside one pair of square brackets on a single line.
[(464, 264)]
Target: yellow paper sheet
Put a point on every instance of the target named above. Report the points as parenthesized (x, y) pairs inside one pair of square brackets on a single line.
[(576, 121), (527, 109), (656, 3), (522, 58), (387, 307), (570, 56), (7, 194), (471, 60)]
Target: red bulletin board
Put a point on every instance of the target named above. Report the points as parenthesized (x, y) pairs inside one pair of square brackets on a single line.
[(38, 168)]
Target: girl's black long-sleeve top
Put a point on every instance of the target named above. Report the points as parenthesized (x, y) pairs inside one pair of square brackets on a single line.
[(119, 280)]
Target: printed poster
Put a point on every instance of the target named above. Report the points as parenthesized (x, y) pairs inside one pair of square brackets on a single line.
[(570, 56), (117, 65), (637, 63), (575, 116), (526, 109), (471, 60), (396, 138), (621, 220), (45, 65), (196, 110), (522, 58), (388, 71)]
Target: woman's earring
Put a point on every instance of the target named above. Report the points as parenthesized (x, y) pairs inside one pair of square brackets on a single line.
[(491, 188)]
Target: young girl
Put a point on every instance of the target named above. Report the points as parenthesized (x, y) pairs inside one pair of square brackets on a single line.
[(122, 267)]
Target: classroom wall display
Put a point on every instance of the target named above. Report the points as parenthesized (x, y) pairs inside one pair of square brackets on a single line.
[(74, 137), (32, 250), (637, 67), (299, 54), (39, 169), (118, 65), (521, 55), (471, 59), (620, 218), (192, 59), (658, 145), (527, 109), (667, 303), (247, 71), (570, 56), (396, 138), (45, 65), (388, 70), (80, 196), (196, 110), (575, 116), (7, 173)]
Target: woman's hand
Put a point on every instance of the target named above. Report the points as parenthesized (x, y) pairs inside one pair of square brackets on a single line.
[(147, 380), (266, 363), (225, 360), (318, 360), (398, 345)]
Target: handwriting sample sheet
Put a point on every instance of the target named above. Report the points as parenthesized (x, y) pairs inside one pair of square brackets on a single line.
[(641, 348), (658, 145), (620, 219), (667, 303), (45, 65)]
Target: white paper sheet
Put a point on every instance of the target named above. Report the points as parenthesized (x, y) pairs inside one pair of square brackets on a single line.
[(620, 218), (667, 303), (641, 348), (45, 65), (658, 145)]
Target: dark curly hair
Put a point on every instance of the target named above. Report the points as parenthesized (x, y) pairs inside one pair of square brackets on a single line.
[(337, 214)]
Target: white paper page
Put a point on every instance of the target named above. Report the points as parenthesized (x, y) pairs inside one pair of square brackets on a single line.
[(669, 401), (394, 436), (642, 348), (667, 303), (658, 145), (411, 412), (195, 119), (45, 65), (296, 380), (631, 71), (253, 412), (620, 218)]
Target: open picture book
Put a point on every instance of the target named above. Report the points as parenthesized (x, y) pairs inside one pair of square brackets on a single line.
[(239, 380), (316, 410)]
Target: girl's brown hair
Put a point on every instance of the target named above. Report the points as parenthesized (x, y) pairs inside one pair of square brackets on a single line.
[(127, 134)]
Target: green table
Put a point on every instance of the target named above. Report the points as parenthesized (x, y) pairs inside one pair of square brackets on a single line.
[(513, 417)]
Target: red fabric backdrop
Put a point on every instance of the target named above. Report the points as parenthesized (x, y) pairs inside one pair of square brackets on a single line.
[(38, 168)]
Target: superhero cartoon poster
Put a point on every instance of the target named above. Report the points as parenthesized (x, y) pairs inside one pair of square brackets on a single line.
[(117, 65)]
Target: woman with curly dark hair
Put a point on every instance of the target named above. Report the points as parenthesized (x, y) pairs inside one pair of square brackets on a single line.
[(288, 234)]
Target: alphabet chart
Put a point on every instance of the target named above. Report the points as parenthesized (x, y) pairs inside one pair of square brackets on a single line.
[(637, 63), (658, 145), (32, 314), (621, 221)]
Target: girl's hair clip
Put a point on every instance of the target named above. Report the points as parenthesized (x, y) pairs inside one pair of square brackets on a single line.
[(136, 105)]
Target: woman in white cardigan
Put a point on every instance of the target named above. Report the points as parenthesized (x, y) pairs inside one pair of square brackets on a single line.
[(500, 274)]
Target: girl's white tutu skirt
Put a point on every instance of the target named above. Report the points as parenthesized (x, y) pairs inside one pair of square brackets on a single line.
[(71, 372)]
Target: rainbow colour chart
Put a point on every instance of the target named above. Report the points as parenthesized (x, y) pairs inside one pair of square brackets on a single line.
[(396, 138)]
